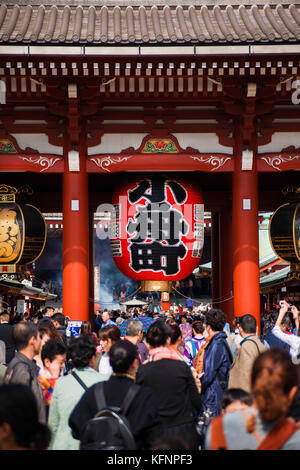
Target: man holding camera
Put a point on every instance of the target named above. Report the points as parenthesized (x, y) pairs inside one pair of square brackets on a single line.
[(293, 341)]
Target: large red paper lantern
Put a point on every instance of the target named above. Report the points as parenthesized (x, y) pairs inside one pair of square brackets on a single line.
[(157, 230)]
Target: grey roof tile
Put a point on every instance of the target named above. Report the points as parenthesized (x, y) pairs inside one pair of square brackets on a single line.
[(155, 22)]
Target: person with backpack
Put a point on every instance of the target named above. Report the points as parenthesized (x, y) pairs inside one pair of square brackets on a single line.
[(117, 414), (22, 369), (192, 346), (263, 426), (250, 347), (68, 390)]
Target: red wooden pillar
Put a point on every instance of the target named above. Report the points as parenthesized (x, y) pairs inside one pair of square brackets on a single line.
[(215, 258), (76, 240), (245, 235), (226, 263), (91, 266)]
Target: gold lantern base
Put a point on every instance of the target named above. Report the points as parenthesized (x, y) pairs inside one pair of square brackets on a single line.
[(155, 286), (13, 272), (294, 273)]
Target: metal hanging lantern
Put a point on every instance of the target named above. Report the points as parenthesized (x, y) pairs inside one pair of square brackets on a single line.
[(284, 232), (22, 233)]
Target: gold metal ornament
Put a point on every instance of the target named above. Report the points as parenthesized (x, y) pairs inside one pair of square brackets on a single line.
[(22, 232)]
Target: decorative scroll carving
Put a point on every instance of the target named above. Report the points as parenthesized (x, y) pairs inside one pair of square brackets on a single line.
[(105, 162), (44, 162), (213, 160), (276, 161)]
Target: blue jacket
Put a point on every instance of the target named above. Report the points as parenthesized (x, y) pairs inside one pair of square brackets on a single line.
[(217, 362), (272, 340)]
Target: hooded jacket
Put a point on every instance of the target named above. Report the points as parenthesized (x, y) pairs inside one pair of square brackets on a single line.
[(216, 367)]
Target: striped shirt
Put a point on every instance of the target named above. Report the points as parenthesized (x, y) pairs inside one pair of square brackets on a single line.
[(191, 348)]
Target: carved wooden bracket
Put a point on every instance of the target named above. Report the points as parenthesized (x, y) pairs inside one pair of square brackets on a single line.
[(160, 151)]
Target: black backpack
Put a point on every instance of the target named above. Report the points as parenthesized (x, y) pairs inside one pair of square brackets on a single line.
[(109, 429)]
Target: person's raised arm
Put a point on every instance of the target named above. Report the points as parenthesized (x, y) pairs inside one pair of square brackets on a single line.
[(295, 313), (283, 309)]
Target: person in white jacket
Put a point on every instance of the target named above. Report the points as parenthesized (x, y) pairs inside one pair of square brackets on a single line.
[(292, 340)]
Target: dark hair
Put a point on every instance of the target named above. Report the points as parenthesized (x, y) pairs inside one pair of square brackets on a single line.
[(60, 318), (46, 327), (22, 333), (175, 332), (197, 326), (286, 321), (216, 319), (272, 378), (18, 408), (121, 356), (157, 334), (171, 443), (80, 351), (51, 349), (111, 332), (48, 308), (248, 323), (114, 314), (171, 321), (86, 328), (236, 394), (38, 315)]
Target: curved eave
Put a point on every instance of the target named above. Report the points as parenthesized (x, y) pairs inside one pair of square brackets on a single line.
[(151, 23)]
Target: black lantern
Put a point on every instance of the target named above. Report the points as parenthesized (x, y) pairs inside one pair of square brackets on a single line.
[(284, 232), (22, 233)]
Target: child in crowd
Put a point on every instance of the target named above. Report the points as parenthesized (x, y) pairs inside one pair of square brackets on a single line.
[(54, 358)]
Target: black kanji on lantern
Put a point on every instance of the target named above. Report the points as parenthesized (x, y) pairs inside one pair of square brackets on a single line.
[(157, 222), (157, 187), (157, 257), (157, 228)]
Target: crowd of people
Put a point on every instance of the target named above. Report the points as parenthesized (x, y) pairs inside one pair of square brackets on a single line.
[(184, 379)]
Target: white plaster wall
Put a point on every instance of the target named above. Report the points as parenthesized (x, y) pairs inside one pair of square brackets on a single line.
[(281, 140), (115, 143), (37, 142), (204, 143)]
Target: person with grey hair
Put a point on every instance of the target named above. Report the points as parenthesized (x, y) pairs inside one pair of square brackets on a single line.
[(135, 334), (22, 369), (134, 329)]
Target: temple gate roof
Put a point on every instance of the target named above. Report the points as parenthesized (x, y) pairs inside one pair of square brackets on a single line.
[(157, 22)]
